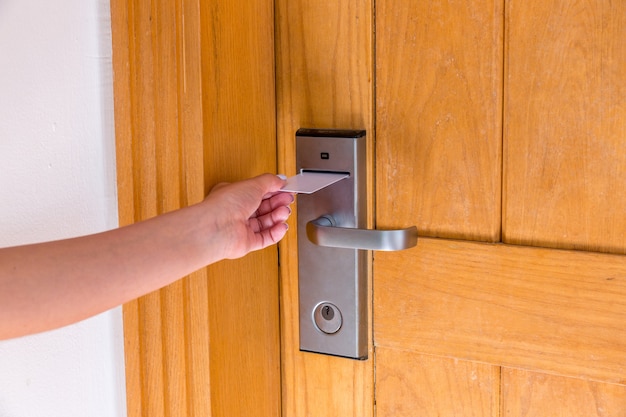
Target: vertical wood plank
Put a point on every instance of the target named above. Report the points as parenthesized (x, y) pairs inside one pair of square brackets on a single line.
[(197, 348), (194, 91), (412, 384), (166, 48), (195, 290), (439, 117), (239, 114), (238, 91), (565, 125), (439, 69), (526, 394), (153, 378), (122, 31), (245, 339), (324, 61), (144, 169)]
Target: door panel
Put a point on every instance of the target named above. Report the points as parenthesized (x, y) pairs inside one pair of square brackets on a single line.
[(194, 105), (439, 117), (565, 124)]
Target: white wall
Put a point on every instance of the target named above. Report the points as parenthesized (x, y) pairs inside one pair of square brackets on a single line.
[(57, 179)]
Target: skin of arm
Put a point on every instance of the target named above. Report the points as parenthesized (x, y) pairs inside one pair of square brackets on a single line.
[(48, 285)]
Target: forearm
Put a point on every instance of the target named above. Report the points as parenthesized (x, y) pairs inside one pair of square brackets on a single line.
[(48, 285), (52, 284)]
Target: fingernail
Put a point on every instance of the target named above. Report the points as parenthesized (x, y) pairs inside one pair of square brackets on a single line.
[(282, 177)]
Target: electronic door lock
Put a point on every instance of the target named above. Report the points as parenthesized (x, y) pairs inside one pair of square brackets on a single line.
[(333, 243)]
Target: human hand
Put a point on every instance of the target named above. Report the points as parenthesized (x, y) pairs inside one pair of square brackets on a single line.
[(250, 214)]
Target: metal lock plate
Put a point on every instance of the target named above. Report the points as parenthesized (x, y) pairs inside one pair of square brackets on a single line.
[(333, 277)]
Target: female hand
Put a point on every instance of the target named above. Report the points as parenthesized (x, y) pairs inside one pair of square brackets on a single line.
[(250, 214)]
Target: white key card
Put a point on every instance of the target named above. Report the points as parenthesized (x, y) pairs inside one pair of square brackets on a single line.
[(310, 182)]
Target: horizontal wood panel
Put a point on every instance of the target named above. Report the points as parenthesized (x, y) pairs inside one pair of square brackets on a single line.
[(410, 384), (439, 69), (526, 394), (565, 125), (544, 309)]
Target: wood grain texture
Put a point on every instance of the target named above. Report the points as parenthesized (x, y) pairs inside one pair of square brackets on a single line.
[(561, 312), (439, 117), (565, 125), (324, 80), (238, 99), (238, 89), (411, 384), (191, 346), (526, 394), (244, 336)]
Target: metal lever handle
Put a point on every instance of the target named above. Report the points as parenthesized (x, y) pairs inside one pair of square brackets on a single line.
[(324, 232)]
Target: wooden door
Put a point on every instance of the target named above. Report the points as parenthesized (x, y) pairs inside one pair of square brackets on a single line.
[(499, 128), (194, 105)]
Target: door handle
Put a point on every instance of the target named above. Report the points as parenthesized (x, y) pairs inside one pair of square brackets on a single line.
[(324, 231)]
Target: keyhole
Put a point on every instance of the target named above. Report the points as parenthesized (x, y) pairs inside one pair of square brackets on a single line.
[(328, 313), (327, 318)]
